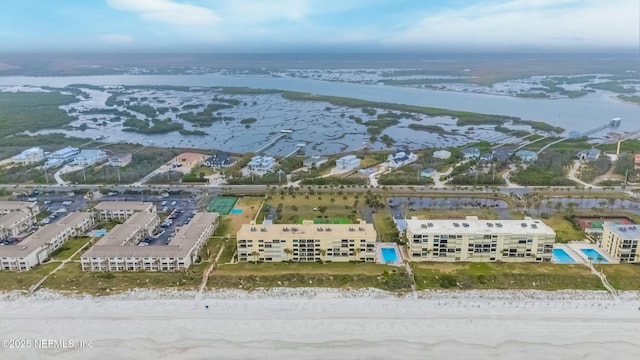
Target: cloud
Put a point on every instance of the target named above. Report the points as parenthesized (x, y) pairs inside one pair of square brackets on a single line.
[(546, 23), (168, 12), (117, 39)]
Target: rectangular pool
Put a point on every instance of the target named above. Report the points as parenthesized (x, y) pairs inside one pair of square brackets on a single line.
[(389, 255), (594, 255), (561, 257)]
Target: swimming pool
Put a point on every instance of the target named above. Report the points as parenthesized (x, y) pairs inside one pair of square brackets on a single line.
[(236, 211), (594, 255), (561, 257), (389, 255)]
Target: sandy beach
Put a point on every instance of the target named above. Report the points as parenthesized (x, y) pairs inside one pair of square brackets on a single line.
[(324, 323)]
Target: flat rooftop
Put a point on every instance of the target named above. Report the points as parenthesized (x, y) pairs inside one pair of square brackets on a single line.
[(16, 205), (121, 232), (124, 205), (43, 235), (623, 231), (307, 230), (476, 226), (179, 247), (12, 218)]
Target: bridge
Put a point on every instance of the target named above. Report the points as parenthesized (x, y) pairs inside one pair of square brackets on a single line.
[(582, 134)]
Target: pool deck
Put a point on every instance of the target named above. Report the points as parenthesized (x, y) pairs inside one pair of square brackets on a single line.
[(573, 249), (386, 245)]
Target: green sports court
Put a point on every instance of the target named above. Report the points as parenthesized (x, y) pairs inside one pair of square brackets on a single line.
[(222, 204)]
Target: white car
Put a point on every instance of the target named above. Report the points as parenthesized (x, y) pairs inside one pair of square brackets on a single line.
[(173, 203)]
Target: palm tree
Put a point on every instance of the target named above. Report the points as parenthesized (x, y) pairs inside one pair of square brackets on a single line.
[(590, 260), (288, 252), (323, 253), (600, 259), (356, 253), (255, 256)]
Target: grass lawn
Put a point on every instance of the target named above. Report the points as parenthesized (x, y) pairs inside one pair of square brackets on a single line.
[(564, 229), (386, 228), (300, 207), (622, 276), (14, 280), (335, 275), (540, 276), (230, 248), (69, 248), (71, 278), (249, 206)]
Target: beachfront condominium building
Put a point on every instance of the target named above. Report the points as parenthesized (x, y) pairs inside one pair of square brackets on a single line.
[(348, 162), (307, 242), (37, 247), (477, 240), (121, 210), (29, 156), (117, 251), (15, 223), (621, 242), (27, 206)]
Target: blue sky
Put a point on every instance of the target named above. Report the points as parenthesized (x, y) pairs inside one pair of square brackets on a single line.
[(316, 25)]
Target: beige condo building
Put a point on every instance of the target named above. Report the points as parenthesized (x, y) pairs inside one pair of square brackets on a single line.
[(477, 240), (307, 242), (37, 247), (118, 250), (621, 242), (121, 210)]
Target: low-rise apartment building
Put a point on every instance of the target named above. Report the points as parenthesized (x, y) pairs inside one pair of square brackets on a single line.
[(37, 247), (122, 210), (15, 223), (28, 206), (621, 242), (307, 242), (477, 240), (118, 251)]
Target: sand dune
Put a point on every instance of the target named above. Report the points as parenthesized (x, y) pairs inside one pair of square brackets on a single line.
[(321, 324)]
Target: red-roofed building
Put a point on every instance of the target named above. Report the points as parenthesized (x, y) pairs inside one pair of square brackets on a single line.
[(636, 162)]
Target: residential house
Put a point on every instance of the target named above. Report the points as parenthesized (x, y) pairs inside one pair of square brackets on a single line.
[(63, 155), (502, 154), (526, 155), (29, 156), (442, 154), (89, 157), (219, 160), (471, 153), (401, 158), (306, 242), (348, 162), (120, 160), (636, 162), (589, 155), (314, 161), (260, 165)]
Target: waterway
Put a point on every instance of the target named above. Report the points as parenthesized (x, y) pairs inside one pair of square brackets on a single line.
[(579, 114)]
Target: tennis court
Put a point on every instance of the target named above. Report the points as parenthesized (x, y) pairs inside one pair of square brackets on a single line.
[(329, 221), (222, 204)]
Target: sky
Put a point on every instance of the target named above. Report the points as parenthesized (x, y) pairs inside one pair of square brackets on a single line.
[(264, 26)]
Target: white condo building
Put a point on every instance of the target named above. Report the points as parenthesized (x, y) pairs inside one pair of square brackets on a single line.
[(37, 247), (621, 242), (477, 240)]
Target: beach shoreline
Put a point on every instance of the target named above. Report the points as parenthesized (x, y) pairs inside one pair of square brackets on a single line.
[(314, 323)]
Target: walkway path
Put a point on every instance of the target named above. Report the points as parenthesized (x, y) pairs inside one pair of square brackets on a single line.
[(572, 175), (37, 285), (506, 176)]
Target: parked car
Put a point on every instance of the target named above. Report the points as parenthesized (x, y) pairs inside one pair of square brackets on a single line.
[(173, 203)]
